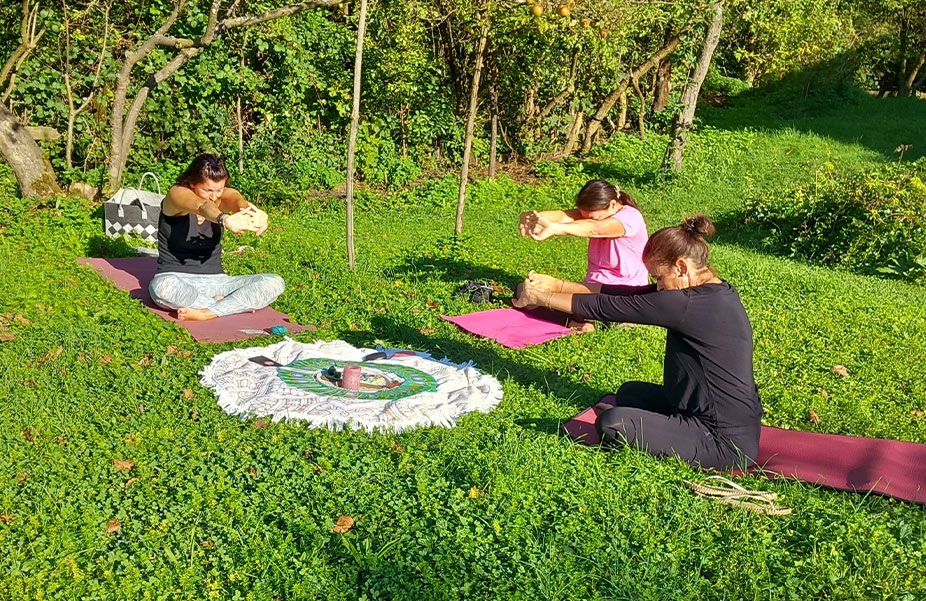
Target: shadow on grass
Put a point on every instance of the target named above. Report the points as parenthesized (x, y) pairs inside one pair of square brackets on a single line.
[(453, 269), (110, 248)]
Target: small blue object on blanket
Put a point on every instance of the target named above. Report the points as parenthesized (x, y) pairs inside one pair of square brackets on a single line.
[(278, 330)]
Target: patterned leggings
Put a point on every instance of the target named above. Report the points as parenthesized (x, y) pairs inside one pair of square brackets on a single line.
[(240, 293)]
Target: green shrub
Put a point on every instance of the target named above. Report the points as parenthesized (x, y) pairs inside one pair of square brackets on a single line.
[(728, 86), (872, 221)]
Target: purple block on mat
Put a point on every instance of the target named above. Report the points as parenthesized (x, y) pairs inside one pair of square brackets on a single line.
[(134, 273), (514, 328), (889, 467)]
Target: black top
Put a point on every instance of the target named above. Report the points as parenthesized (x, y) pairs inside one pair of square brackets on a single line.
[(708, 364), (185, 246)]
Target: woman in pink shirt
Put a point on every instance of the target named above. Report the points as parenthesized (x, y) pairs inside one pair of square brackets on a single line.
[(612, 222), (615, 229)]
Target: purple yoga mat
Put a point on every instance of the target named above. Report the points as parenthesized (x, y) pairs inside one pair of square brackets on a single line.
[(514, 328), (889, 467), (134, 273)]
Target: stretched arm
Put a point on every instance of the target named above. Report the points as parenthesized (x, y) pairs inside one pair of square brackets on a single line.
[(584, 228), (529, 219), (637, 304)]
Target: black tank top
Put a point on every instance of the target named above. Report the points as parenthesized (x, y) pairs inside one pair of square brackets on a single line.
[(185, 246)]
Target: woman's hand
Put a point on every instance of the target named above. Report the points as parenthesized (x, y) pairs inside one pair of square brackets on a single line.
[(240, 222), (542, 228), (546, 283), (528, 295), (526, 222), (258, 219)]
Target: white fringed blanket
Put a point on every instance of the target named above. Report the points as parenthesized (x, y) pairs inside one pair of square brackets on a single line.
[(290, 381)]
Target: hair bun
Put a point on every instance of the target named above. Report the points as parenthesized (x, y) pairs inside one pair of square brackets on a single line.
[(700, 225)]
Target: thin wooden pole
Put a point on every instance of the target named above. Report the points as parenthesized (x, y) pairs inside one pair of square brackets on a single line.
[(470, 125), (352, 140)]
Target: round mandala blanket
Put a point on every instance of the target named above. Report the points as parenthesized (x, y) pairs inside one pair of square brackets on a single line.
[(291, 380)]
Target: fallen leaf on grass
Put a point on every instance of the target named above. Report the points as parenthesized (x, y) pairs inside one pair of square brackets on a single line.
[(917, 413), (187, 393), (52, 354), (824, 393), (309, 453), (397, 448), (343, 525), (171, 349), (31, 434), (317, 468), (6, 518), (415, 311), (18, 318), (260, 424), (123, 465), (431, 304), (144, 361), (7, 337), (812, 417), (426, 331), (130, 482), (113, 526), (208, 544), (475, 493), (106, 359), (840, 370), (194, 416), (21, 477), (60, 440), (251, 471)]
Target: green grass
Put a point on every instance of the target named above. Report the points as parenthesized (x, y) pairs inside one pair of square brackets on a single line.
[(499, 507)]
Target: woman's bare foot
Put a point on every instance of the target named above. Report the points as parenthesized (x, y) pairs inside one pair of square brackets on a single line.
[(186, 314), (584, 327), (217, 297)]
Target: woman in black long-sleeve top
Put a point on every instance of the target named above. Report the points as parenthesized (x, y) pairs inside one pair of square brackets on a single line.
[(707, 410)]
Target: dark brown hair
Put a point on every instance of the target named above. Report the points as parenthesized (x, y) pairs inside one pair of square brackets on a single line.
[(669, 244), (598, 194), (204, 167)]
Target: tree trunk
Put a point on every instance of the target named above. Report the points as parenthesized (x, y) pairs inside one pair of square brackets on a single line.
[(493, 140), (470, 125), (663, 86), (594, 123), (352, 140), (906, 88), (572, 138), (641, 113), (622, 112), (33, 172), (122, 119), (682, 124)]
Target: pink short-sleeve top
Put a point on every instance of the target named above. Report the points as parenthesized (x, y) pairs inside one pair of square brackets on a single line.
[(620, 260)]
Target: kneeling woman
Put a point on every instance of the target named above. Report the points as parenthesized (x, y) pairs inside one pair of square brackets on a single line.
[(190, 278), (707, 410)]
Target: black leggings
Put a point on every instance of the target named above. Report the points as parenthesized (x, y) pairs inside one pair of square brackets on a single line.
[(645, 419)]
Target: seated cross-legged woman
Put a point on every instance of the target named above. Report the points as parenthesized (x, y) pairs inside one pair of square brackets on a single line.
[(190, 278), (707, 410)]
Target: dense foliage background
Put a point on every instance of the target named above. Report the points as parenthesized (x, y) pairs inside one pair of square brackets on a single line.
[(284, 87)]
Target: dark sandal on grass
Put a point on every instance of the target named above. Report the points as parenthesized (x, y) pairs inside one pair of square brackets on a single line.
[(727, 492)]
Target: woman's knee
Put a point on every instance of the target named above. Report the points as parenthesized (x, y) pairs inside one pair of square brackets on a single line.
[(618, 425), (164, 285), (275, 284)]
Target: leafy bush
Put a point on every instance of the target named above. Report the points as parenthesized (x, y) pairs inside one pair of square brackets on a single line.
[(728, 86), (871, 221)]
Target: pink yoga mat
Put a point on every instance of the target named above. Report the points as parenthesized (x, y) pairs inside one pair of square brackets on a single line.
[(514, 328), (134, 273), (889, 467)]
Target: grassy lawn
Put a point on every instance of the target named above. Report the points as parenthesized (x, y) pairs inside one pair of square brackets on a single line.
[(500, 507)]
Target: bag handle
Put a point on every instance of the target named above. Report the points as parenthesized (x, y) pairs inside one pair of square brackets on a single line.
[(137, 201), (141, 180)]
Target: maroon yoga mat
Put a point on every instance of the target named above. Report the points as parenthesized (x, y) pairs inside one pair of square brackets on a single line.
[(134, 273), (889, 467)]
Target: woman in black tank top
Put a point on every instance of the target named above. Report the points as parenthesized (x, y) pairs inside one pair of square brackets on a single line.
[(707, 409), (194, 215)]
